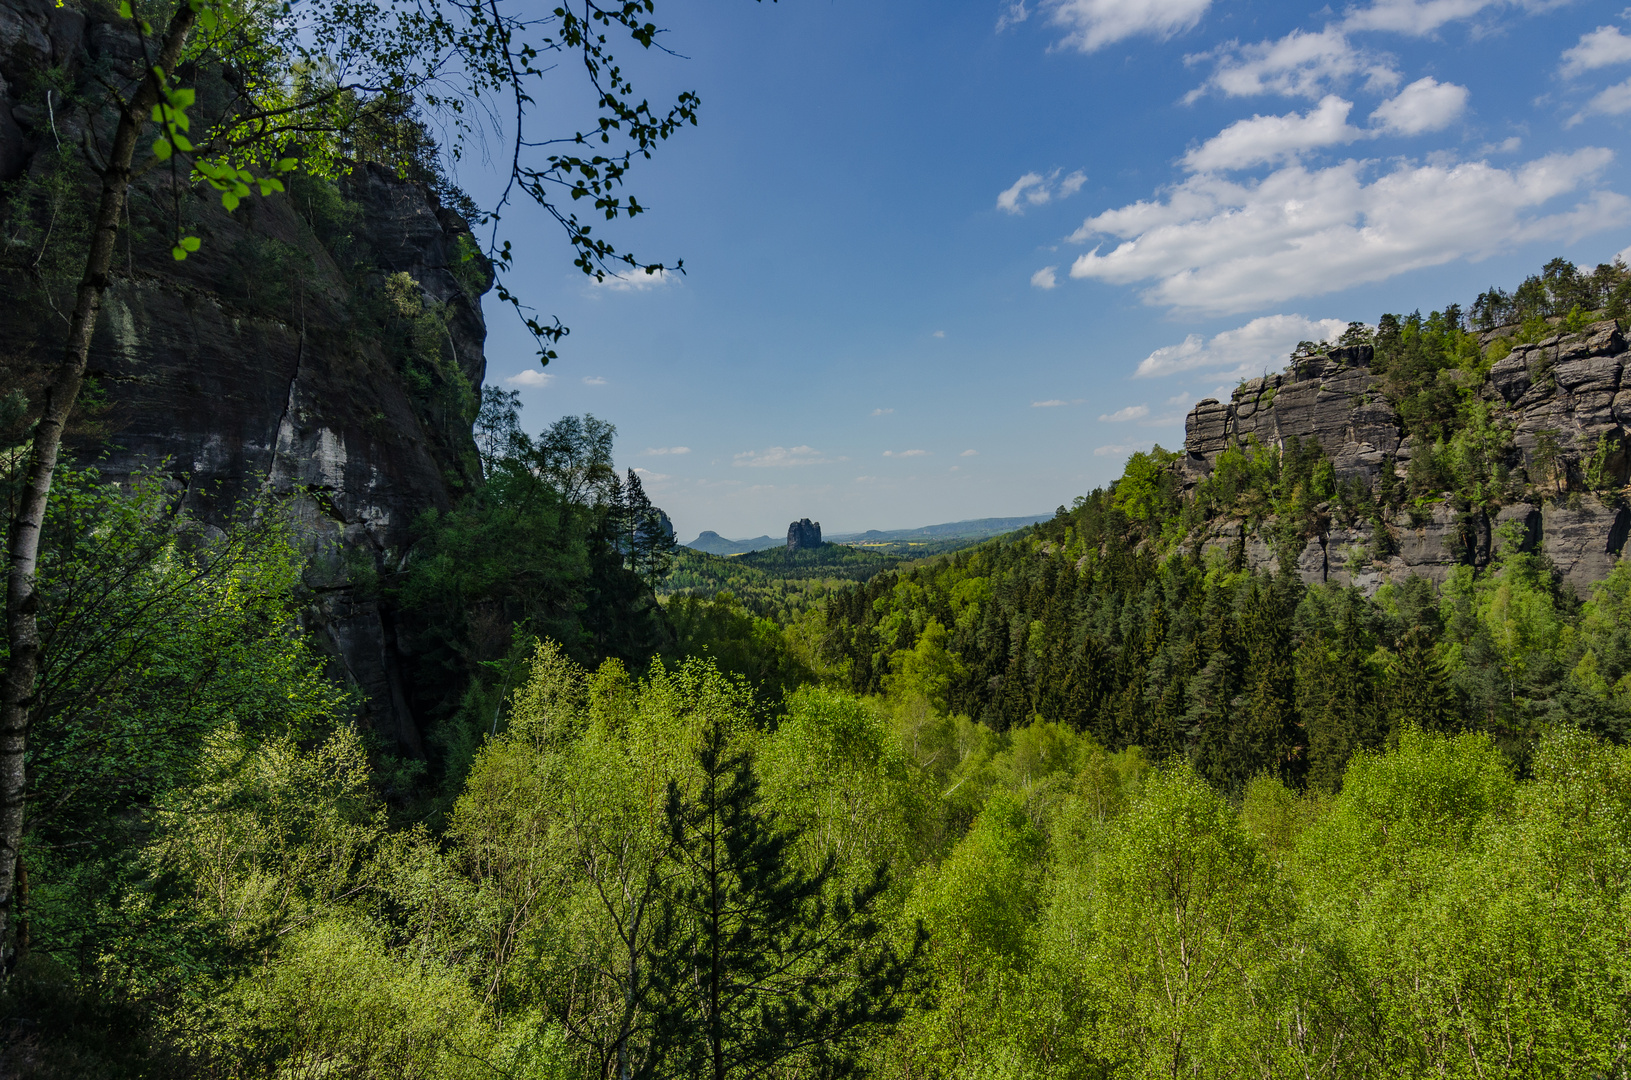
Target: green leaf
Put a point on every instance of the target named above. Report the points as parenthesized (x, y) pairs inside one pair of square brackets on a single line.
[(183, 98), (162, 149), (125, 10), (207, 19), (181, 142), (191, 243), (178, 253), (229, 199), (286, 164)]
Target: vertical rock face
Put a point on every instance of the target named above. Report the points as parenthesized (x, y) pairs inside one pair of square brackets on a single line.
[(1332, 398), (259, 362), (803, 534), (1559, 400)]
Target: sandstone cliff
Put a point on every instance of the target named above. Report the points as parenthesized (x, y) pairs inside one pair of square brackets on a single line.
[(326, 344), (1557, 406)]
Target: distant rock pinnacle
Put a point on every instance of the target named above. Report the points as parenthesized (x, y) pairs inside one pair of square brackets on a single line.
[(803, 534)]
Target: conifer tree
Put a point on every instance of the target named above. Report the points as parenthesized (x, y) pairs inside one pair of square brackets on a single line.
[(758, 964), (1418, 686)]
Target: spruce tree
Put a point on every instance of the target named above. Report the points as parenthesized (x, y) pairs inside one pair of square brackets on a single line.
[(758, 964), (1418, 686)]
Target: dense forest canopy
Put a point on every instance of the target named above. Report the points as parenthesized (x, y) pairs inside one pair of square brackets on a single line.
[(1094, 799)]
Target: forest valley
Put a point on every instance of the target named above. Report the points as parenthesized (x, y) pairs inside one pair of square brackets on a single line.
[(1082, 801)]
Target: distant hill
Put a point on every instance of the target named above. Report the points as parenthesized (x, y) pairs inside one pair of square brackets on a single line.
[(979, 528), (712, 543)]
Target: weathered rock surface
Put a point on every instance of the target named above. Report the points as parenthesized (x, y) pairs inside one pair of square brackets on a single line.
[(803, 534), (1559, 399), (247, 365)]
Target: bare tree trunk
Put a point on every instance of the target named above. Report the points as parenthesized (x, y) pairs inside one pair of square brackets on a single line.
[(23, 543)]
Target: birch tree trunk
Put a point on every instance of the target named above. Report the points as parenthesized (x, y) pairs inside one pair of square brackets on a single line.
[(23, 541)]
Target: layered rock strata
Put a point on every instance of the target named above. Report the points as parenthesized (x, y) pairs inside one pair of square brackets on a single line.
[(1560, 401)]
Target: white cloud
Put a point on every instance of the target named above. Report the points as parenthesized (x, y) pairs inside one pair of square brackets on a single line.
[(1179, 399), (1214, 245), (529, 377), (1274, 138), (1034, 189), (668, 450), (1425, 105), (1119, 448), (1044, 278), (634, 280), (777, 457), (1013, 11), (593, 380), (1131, 412), (1611, 102), (882, 412), (969, 453), (1301, 64), (1093, 24), (654, 477), (1263, 343), (1052, 403), (1030, 187), (905, 453), (938, 333), (1602, 47), (1414, 17)]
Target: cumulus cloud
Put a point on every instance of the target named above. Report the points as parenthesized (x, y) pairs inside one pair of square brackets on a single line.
[(1603, 47), (1045, 278), (1131, 412), (1425, 105), (530, 377), (1118, 449), (1301, 64), (1611, 102), (777, 457), (634, 280), (1216, 245), (654, 477), (882, 412), (969, 453), (1262, 343), (1051, 403), (938, 333), (593, 380), (905, 453), (1275, 138), (1093, 24), (1034, 189), (668, 450)]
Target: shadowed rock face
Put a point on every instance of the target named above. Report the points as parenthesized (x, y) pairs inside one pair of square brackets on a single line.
[(803, 534), (1558, 396), (258, 362)]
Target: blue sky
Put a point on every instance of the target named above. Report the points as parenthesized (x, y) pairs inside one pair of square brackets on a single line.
[(953, 260)]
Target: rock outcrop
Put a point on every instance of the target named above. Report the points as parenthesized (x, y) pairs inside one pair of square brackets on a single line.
[(1560, 403), (258, 362), (803, 534)]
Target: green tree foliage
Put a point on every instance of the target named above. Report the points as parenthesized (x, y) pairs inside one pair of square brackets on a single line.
[(758, 968), (553, 545)]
